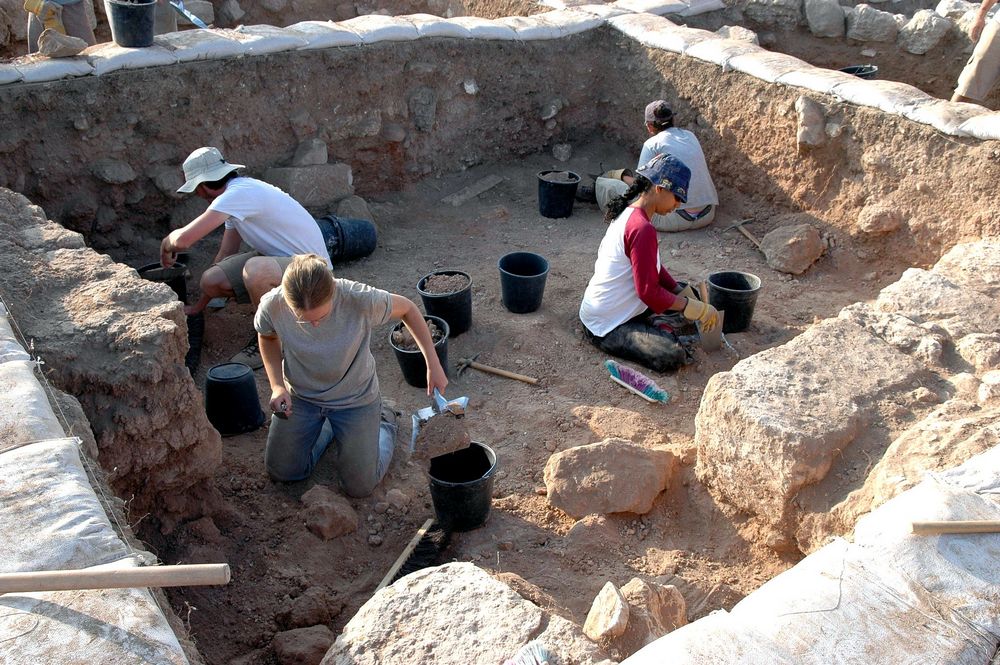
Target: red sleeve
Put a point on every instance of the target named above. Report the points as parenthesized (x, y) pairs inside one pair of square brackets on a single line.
[(667, 281), (641, 247)]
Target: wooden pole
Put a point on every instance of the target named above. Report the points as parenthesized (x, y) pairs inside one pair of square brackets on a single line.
[(958, 526), (115, 578)]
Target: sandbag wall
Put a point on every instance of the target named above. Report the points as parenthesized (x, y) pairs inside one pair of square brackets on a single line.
[(51, 519)]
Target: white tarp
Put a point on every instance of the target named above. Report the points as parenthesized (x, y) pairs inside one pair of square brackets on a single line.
[(51, 517), (25, 414), (110, 57), (377, 28), (325, 34)]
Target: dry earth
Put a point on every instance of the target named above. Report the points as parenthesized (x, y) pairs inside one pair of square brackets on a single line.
[(685, 540)]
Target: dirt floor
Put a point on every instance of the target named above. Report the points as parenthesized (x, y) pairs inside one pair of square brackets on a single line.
[(685, 540)]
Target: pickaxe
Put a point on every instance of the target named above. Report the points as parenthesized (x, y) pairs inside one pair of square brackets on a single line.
[(465, 363), (739, 227)]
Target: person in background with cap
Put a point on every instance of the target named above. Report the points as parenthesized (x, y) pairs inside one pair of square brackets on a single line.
[(982, 70), (272, 223), (632, 305), (699, 210)]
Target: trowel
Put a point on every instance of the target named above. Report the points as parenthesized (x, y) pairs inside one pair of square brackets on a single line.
[(179, 6), (456, 407), (710, 341)]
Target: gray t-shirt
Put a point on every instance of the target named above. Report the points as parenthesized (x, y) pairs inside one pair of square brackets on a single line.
[(330, 364)]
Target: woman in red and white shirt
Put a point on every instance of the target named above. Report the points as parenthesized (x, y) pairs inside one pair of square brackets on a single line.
[(624, 302)]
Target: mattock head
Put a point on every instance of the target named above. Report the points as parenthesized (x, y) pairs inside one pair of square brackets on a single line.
[(464, 363)]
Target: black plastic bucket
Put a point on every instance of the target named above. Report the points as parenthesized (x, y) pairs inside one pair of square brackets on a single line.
[(522, 281), (172, 277), (347, 238), (861, 71), (231, 400), (735, 293), (412, 362), (455, 307), (462, 486), (132, 22), (556, 194)]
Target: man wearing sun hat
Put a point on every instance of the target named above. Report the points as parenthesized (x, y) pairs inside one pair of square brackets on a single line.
[(272, 223), (664, 138)]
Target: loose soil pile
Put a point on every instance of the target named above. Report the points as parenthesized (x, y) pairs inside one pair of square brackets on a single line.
[(441, 284), (403, 339)]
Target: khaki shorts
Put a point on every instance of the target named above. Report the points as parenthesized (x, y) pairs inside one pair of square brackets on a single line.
[(983, 68), (232, 267)]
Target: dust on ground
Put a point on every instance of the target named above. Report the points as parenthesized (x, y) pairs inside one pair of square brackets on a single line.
[(686, 540)]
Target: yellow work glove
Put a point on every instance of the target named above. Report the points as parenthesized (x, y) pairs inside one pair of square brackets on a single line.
[(703, 313), (49, 13)]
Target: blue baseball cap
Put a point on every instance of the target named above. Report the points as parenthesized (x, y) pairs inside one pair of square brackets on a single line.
[(668, 172)]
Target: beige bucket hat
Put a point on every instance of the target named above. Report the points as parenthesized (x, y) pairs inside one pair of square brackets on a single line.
[(205, 165)]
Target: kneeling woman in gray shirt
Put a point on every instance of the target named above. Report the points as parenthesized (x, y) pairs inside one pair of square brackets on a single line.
[(315, 332)]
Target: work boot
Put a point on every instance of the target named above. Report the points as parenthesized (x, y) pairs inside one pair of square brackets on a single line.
[(250, 355)]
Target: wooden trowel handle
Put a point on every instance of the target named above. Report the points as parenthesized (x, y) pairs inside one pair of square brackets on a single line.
[(958, 526)]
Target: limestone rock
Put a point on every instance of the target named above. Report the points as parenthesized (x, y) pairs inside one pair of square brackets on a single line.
[(980, 351), (310, 152), (591, 534), (302, 646), (354, 207), (923, 32), (113, 171), (784, 13), (313, 607), (423, 108), (528, 591), (966, 385), (989, 389), (167, 180), (274, 5), (792, 249), (608, 615), (867, 24), (314, 186), (811, 121), (393, 133), (230, 12), (926, 297), (203, 9), (825, 18), (397, 498), (925, 343), (774, 424), (878, 220), (562, 151), (54, 44), (612, 476), (654, 610), (954, 9), (739, 33), (974, 265), (327, 514), (453, 614)]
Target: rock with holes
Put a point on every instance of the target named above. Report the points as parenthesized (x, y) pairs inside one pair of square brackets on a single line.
[(608, 615), (867, 24), (792, 249), (825, 18), (923, 32), (455, 614), (327, 514), (612, 476)]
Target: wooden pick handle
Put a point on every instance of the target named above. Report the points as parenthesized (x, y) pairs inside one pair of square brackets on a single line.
[(502, 372), (958, 526), (115, 578)]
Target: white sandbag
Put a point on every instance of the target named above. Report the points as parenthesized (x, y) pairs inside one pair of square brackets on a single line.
[(717, 638), (38, 68), (889, 96), (602, 11), (110, 57), (985, 127), (261, 39), (98, 627), (377, 28), (658, 32), (9, 73), (481, 28), (51, 518), (25, 414), (720, 51), (190, 45), (428, 25), (529, 28), (658, 7), (10, 347), (571, 21), (696, 7), (679, 40), (325, 34), (766, 65), (944, 116), (816, 79)]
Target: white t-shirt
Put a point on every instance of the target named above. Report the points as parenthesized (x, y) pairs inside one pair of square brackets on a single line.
[(269, 220), (684, 145)]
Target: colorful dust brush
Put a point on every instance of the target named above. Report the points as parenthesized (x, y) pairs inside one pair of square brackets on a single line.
[(637, 382)]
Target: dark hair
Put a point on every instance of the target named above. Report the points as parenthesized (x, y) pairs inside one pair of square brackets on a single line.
[(619, 203), (221, 182), (666, 124)]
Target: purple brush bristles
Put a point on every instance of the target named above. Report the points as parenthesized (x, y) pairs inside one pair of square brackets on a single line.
[(636, 381)]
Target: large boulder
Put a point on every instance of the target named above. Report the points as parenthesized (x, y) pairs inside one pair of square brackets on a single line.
[(613, 476), (867, 24), (927, 297), (781, 13), (774, 424), (825, 18), (792, 249), (454, 614), (923, 32), (316, 186)]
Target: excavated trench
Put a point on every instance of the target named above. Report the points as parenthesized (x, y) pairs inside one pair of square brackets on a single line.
[(426, 119)]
